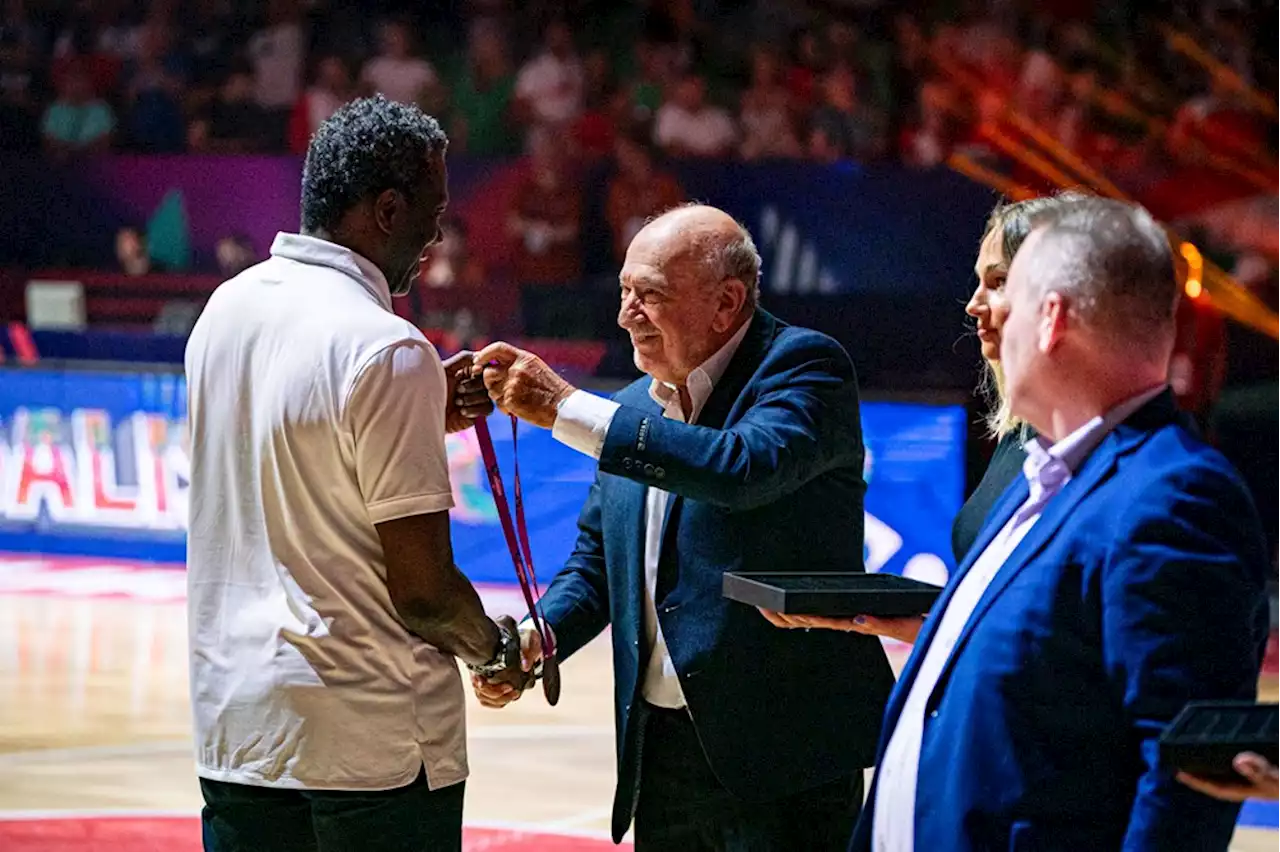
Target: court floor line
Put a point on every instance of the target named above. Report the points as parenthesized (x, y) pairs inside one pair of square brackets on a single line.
[(496, 732), (157, 813)]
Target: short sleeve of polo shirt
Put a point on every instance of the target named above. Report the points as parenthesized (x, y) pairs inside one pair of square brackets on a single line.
[(396, 411)]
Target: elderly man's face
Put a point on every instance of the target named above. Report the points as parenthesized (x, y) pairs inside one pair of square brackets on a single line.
[(672, 309)]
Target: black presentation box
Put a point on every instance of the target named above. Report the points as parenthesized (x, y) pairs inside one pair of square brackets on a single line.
[(836, 595), (1207, 735)]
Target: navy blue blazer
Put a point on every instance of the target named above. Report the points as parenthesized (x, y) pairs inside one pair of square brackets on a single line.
[(1141, 587), (769, 480)]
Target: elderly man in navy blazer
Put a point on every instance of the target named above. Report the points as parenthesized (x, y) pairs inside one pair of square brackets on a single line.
[(741, 450), (1122, 577)]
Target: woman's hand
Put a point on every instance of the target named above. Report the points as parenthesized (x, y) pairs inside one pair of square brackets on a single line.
[(1261, 781), (903, 629)]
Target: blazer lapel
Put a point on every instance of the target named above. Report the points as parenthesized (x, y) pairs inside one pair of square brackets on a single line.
[(1014, 496), (727, 391), (1097, 468)]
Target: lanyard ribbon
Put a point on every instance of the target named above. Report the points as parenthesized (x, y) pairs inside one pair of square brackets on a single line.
[(517, 536)]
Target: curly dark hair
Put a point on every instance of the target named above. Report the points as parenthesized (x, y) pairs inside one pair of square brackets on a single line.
[(366, 147)]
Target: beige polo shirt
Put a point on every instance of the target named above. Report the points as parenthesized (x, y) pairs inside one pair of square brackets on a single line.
[(315, 414)]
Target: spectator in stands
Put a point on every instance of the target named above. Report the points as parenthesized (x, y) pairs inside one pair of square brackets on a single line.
[(822, 148), (688, 126), (77, 121), (76, 50), (131, 252), (872, 59), (450, 264), (637, 192), (482, 98), (909, 67), (643, 94), (767, 130), (849, 125), (212, 39), (114, 32), (19, 54), (235, 254), (549, 88), (544, 223), (235, 123), (154, 93), (454, 292), (398, 72), (927, 142), (1041, 87), (806, 68), (594, 130), (278, 54), (332, 88)]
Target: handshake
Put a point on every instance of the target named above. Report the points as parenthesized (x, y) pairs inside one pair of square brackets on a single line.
[(499, 688), (516, 381)]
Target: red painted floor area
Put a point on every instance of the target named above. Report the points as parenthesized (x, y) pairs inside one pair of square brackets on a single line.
[(182, 834)]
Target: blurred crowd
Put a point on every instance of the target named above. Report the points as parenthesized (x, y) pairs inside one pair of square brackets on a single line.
[(861, 79), (1167, 98)]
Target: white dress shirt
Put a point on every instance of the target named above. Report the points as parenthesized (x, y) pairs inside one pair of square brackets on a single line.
[(582, 423), (1047, 469), (316, 413)]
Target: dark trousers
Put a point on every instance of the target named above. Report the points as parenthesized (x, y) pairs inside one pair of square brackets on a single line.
[(240, 818), (683, 807)]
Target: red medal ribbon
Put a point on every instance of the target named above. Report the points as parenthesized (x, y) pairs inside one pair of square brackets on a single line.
[(517, 536)]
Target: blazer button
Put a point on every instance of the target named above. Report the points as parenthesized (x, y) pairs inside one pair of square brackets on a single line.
[(648, 469), (626, 463), (933, 715), (659, 472)]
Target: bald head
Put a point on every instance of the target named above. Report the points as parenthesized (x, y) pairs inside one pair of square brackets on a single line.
[(690, 280), (708, 242)]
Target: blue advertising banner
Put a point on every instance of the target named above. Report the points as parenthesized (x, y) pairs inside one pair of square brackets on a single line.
[(97, 464)]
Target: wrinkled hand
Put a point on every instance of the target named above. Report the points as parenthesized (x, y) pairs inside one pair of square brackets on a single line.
[(500, 691), (903, 629), (1261, 783), (521, 383), (466, 398)]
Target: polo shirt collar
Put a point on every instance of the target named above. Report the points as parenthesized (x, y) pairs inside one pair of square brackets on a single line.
[(318, 252)]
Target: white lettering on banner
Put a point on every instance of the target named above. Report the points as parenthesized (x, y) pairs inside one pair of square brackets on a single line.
[(75, 476), (797, 267), (80, 470)]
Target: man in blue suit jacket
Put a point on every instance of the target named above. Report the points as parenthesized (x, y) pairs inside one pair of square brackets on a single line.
[(716, 711), (1122, 577)]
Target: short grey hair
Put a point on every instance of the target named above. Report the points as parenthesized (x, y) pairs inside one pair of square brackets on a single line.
[(734, 258), (1113, 261), (739, 258)]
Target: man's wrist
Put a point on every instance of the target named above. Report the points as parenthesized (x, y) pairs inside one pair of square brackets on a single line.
[(498, 661)]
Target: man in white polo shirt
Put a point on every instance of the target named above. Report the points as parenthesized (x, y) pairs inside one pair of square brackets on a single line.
[(325, 607)]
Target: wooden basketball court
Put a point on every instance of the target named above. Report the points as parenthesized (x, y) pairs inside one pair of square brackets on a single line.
[(95, 748)]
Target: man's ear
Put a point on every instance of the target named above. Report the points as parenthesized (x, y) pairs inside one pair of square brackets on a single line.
[(386, 209), (1055, 318), (732, 297)]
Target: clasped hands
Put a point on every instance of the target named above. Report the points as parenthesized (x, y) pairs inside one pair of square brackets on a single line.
[(518, 382)]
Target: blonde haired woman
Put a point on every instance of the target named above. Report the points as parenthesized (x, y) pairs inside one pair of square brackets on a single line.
[(1007, 227)]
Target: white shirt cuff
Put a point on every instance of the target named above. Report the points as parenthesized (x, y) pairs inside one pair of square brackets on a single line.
[(583, 421)]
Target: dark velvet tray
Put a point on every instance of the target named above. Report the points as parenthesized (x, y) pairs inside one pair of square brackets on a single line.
[(838, 595), (1206, 735)]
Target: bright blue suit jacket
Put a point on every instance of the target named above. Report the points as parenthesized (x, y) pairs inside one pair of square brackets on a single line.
[(769, 480), (1141, 587)]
